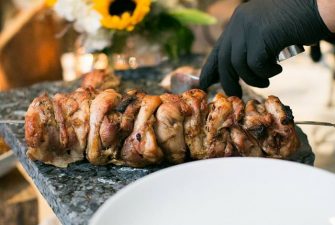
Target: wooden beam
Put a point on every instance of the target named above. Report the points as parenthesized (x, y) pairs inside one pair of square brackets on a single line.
[(16, 25)]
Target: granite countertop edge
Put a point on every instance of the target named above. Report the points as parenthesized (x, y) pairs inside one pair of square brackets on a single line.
[(33, 171)]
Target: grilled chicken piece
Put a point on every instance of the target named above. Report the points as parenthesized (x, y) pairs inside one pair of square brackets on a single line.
[(218, 141), (65, 105), (118, 124), (255, 124), (42, 133), (140, 148), (169, 127), (129, 107), (194, 124), (238, 109), (245, 144), (72, 115), (66, 118), (80, 118), (110, 137), (282, 139), (131, 129), (101, 79), (256, 119), (103, 104)]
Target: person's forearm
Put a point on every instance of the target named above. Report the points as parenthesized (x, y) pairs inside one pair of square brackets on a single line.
[(327, 9)]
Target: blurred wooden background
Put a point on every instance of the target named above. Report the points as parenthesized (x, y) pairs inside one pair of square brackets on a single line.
[(29, 49), (18, 200)]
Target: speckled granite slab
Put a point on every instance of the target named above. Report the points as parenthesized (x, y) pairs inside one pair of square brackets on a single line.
[(76, 192)]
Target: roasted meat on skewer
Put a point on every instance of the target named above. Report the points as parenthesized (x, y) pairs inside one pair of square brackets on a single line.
[(140, 148), (72, 116), (129, 107), (119, 123), (169, 127), (256, 119), (140, 130), (80, 118), (57, 128), (42, 133), (282, 139), (101, 149), (218, 142), (101, 79), (194, 124), (245, 144)]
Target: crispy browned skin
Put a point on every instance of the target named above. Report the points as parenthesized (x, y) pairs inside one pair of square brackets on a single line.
[(80, 118), (39, 113), (43, 134), (56, 129), (282, 139), (118, 124), (63, 107), (110, 138), (103, 103), (245, 144), (169, 127), (256, 119), (140, 148), (218, 142), (101, 79), (195, 123), (140, 130), (129, 107)]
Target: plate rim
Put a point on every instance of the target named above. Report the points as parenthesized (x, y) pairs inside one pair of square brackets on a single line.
[(104, 207)]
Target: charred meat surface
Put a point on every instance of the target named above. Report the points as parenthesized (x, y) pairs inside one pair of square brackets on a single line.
[(256, 119), (119, 123), (244, 142), (103, 103), (141, 130), (101, 79), (169, 127), (140, 148), (80, 118), (129, 107), (220, 118), (194, 124), (43, 134), (282, 139)]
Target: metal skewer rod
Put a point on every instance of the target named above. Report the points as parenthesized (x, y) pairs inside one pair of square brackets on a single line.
[(11, 121), (312, 123), (315, 123)]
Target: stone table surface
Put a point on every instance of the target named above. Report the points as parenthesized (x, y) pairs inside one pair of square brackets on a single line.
[(76, 192)]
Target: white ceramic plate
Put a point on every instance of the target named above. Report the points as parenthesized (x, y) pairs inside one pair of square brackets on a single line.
[(232, 191)]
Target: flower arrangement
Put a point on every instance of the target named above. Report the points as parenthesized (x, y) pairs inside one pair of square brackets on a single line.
[(106, 24)]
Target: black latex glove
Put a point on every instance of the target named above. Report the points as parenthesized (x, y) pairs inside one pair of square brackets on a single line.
[(251, 42)]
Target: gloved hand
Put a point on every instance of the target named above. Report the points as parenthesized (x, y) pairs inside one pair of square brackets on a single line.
[(255, 35)]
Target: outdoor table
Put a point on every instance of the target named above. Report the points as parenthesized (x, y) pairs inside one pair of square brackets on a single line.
[(76, 192)]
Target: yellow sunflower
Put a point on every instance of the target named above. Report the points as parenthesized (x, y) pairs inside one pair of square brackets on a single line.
[(50, 3), (122, 14)]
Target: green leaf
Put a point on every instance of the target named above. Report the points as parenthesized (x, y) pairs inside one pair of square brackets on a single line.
[(179, 42), (175, 38), (119, 41), (192, 16)]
